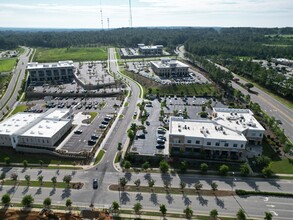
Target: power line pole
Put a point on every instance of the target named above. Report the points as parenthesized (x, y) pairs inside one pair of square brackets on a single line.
[(130, 15), (101, 12)]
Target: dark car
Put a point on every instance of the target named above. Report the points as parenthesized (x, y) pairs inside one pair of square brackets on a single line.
[(92, 142), (94, 137), (160, 141), (160, 146), (79, 131), (95, 183), (142, 136)]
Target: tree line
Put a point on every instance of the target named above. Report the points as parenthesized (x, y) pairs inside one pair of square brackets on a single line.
[(200, 41), (259, 43)]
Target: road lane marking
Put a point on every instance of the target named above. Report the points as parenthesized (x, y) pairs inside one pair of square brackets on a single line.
[(274, 213), (266, 199), (272, 206)]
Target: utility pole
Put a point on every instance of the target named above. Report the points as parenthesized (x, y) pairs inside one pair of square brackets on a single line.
[(130, 15), (101, 12)]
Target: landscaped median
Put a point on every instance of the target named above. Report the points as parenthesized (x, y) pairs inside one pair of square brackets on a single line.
[(171, 190), (46, 184), (241, 192)]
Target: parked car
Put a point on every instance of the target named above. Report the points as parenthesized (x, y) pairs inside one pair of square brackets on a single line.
[(160, 141), (92, 142), (94, 137), (102, 126), (160, 146)]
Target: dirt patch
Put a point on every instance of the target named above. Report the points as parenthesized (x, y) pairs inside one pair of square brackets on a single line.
[(170, 190), (10, 214)]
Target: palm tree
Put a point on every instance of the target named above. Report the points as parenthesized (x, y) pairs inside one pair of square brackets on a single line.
[(151, 183), (25, 163), (115, 206), (67, 179), (54, 181), (241, 215), (268, 216), (214, 186), (122, 182), (28, 179), (14, 177), (163, 209), (188, 212), (137, 207), (27, 200), (137, 183), (167, 184), (214, 214), (6, 199), (68, 204), (198, 186), (146, 166), (47, 202), (40, 179), (41, 163), (182, 185)]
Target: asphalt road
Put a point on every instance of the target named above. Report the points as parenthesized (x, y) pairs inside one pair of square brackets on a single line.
[(10, 97)]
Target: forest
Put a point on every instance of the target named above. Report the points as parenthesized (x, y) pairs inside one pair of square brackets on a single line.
[(225, 42)]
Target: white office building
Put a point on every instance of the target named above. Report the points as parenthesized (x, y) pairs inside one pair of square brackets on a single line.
[(232, 133), (35, 130), (167, 68), (48, 72), (150, 50)]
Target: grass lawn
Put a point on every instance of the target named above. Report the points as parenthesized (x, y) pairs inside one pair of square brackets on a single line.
[(20, 108), (100, 156), (93, 115), (7, 64), (72, 53), (284, 166)]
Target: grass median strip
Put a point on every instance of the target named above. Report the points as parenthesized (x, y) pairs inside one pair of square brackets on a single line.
[(44, 184), (171, 190), (100, 156), (241, 192)]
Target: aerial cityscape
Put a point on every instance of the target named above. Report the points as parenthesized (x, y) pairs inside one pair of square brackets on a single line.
[(146, 109)]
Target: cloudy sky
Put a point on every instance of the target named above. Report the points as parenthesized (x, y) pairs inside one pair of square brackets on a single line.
[(86, 13)]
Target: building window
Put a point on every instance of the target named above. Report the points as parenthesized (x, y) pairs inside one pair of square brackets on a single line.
[(189, 141), (226, 144), (241, 145), (197, 142), (217, 144), (234, 145), (260, 134), (209, 143)]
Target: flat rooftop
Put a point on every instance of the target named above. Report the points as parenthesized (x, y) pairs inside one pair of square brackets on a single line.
[(16, 122), (202, 129), (151, 47), (57, 114), (36, 65), (168, 63), (237, 119), (45, 128)]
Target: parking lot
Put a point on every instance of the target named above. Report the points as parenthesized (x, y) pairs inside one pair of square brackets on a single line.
[(146, 143), (79, 141), (144, 69)]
